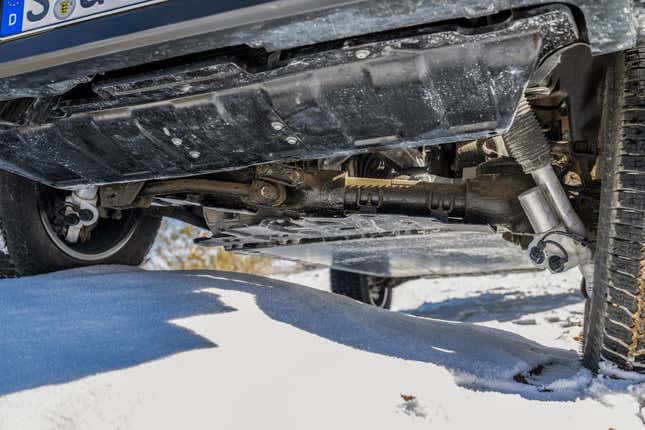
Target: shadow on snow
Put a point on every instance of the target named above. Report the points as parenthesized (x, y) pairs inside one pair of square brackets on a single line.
[(65, 326), (501, 307)]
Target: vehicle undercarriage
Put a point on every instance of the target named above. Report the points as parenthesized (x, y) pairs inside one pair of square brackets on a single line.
[(484, 133)]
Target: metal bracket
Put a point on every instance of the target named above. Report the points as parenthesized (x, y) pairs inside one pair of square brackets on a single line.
[(79, 201), (281, 174)]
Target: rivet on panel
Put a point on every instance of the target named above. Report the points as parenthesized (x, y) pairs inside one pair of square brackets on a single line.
[(277, 126), (362, 54)]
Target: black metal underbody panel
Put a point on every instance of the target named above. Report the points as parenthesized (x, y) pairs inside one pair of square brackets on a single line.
[(380, 245), (215, 115)]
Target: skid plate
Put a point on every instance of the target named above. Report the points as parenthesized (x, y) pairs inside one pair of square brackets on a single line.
[(215, 114), (381, 245)]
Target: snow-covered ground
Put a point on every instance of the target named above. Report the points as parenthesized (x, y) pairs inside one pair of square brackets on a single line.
[(122, 348)]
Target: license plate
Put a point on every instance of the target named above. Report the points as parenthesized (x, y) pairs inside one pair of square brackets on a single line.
[(22, 17)]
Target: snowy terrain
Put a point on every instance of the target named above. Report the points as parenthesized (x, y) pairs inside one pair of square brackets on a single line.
[(122, 348)]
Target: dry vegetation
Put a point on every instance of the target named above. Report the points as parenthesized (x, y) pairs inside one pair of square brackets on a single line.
[(174, 250)]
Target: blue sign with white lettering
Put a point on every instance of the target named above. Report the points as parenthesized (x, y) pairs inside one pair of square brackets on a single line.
[(12, 13)]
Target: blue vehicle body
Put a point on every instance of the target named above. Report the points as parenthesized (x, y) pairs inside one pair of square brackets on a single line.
[(180, 27)]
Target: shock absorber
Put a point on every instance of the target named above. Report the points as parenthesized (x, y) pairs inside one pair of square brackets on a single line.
[(560, 242)]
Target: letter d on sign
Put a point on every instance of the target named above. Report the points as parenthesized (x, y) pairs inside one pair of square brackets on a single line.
[(12, 12)]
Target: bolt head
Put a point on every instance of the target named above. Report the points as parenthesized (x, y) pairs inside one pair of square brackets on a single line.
[(362, 54), (269, 193), (195, 154), (277, 126), (292, 140)]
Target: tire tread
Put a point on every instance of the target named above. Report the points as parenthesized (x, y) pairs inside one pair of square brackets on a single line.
[(617, 322)]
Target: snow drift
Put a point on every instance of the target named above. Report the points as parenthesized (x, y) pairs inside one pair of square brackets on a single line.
[(119, 347)]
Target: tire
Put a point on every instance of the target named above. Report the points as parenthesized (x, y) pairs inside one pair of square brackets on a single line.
[(615, 326), (371, 290), (30, 245)]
